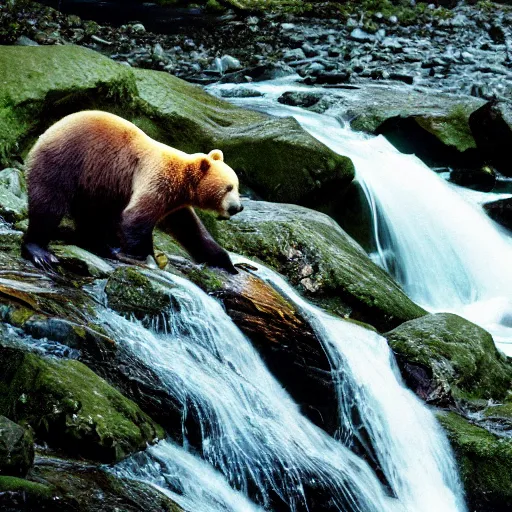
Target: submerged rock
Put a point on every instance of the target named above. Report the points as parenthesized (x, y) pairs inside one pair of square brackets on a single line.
[(71, 408), (16, 449), (445, 359)]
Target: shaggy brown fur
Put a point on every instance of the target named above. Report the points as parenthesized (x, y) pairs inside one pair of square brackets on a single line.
[(117, 183)]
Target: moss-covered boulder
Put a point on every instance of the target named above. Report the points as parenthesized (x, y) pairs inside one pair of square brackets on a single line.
[(445, 358), (71, 408), (320, 259), (130, 291), (485, 462), (276, 157), (58, 485), (20, 495), (88, 488), (434, 125), (41, 84), (16, 448)]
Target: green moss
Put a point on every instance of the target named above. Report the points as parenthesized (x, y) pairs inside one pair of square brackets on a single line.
[(452, 128), (20, 485), (276, 157), (320, 259), (71, 408), (485, 462), (48, 82), (132, 291), (459, 354)]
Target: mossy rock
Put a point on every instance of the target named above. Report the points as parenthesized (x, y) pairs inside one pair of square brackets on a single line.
[(276, 157), (16, 448), (320, 259), (20, 495), (434, 125), (447, 358), (87, 488), (71, 408), (133, 291), (485, 462), (42, 84)]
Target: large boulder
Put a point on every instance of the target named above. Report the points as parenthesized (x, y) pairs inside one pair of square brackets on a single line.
[(59, 485), (491, 126), (275, 157), (16, 448), (68, 406), (445, 359), (320, 259), (485, 463)]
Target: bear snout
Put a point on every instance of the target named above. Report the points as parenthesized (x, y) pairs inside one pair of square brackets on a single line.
[(234, 209)]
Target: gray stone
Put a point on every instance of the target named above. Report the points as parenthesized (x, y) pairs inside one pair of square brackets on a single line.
[(16, 449)]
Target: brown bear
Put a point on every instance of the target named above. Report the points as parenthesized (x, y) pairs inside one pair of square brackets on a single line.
[(117, 183)]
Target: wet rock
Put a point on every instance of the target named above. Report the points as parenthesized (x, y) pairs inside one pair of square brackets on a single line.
[(491, 126), (332, 77), (13, 195), (16, 449), (483, 178), (291, 55), (130, 291), (290, 239), (240, 93), (299, 99), (485, 462), (229, 63), (445, 359), (138, 28), (81, 262), (500, 211), (71, 408), (25, 41), (361, 36)]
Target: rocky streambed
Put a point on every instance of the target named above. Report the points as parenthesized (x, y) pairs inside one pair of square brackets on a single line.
[(67, 394)]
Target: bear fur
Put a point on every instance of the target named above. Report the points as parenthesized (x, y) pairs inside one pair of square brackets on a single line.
[(117, 183)]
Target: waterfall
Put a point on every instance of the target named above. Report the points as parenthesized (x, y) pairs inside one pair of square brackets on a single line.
[(255, 435), (431, 236), (251, 430), (411, 449)]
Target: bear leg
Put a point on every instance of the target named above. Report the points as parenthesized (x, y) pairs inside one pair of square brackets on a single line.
[(41, 227), (186, 227), (137, 233)]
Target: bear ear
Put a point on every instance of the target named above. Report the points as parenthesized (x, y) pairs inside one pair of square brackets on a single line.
[(204, 165), (216, 154)]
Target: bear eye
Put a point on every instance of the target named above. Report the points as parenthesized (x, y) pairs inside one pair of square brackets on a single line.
[(229, 188)]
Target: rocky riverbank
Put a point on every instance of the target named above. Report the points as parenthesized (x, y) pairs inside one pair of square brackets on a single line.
[(466, 49)]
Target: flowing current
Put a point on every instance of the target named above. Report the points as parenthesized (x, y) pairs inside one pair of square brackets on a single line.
[(255, 435), (433, 237)]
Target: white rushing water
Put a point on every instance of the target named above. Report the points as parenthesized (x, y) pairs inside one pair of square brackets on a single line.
[(251, 429), (434, 238), (254, 433), (411, 448)]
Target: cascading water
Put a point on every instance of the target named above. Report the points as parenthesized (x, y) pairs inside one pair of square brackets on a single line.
[(256, 436), (441, 247), (410, 446)]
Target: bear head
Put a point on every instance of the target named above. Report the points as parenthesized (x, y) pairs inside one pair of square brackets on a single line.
[(217, 187)]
